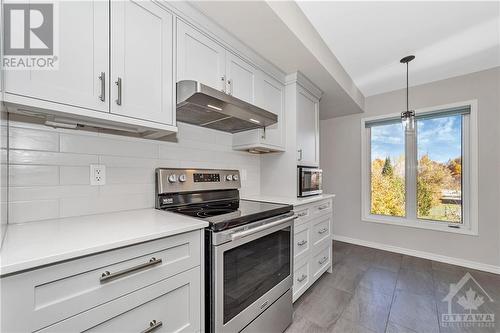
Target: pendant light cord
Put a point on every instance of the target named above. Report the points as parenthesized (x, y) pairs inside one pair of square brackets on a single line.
[(407, 89)]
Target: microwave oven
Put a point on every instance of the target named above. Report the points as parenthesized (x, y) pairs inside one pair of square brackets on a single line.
[(309, 181)]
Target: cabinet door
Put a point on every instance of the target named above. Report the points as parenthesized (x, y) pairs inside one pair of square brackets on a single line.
[(307, 128), (240, 78), (82, 57), (270, 96), (142, 64), (199, 58)]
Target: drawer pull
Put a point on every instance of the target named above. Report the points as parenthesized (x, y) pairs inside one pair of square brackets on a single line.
[(302, 278), (322, 231), (302, 242), (323, 207), (301, 214), (152, 326), (106, 276), (323, 260)]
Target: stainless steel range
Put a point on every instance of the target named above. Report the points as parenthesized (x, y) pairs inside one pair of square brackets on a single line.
[(248, 249)]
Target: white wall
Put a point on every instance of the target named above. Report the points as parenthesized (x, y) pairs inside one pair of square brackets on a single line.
[(341, 162), (49, 169)]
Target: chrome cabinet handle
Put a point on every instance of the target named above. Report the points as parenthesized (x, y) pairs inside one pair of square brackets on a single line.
[(118, 83), (302, 242), (302, 278), (153, 324), (223, 79), (323, 260), (301, 214), (102, 78), (322, 231), (230, 83), (323, 207), (107, 276), (300, 156)]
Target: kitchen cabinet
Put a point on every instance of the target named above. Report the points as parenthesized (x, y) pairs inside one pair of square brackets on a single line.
[(307, 128), (199, 57), (106, 64), (202, 59), (312, 244), (157, 280), (83, 61), (171, 305), (269, 95), (142, 61), (240, 78)]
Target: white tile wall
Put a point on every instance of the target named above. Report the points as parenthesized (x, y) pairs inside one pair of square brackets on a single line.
[(49, 168)]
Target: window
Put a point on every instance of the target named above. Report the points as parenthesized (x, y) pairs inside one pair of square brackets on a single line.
[(423, 178)]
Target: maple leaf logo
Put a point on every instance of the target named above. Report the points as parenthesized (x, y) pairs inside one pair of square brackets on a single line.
[(470, 301)]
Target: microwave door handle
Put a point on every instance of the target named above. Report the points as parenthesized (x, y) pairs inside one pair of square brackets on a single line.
[(241, 234)]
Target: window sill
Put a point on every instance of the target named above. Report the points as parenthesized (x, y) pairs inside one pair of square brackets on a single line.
[(419, 225)]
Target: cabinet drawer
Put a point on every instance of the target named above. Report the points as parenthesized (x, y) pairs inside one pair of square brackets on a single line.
[(44, 296), (321, 207), (321, 229), (321, 261), (171, 305), (302, 215), (302, 243), (301, 278)]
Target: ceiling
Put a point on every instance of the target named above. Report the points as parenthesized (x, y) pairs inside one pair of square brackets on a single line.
[(281, 33), (368, 38)]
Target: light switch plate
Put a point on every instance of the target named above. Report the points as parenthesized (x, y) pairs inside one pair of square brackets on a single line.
[(97, 174)]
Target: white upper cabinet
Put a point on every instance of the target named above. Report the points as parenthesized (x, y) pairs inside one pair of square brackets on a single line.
[(241, 77), (119, 63), (83, 57), (142, 61), (307, 128), (269, 95), (199, 57)]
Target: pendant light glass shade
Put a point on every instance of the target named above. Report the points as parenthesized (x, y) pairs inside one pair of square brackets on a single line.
[(407, 117), (408, 121)]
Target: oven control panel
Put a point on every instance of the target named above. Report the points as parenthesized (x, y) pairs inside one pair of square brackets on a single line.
[(185, 180)]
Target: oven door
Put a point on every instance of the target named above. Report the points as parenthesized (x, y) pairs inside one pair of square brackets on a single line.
[(310, 181), (251, 272)]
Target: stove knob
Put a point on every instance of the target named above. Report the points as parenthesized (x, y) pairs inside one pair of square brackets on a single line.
[(229, 177), (172, 178), (182, 178), (235, 177)]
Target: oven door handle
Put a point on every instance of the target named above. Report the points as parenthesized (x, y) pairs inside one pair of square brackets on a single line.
[(241, 234)]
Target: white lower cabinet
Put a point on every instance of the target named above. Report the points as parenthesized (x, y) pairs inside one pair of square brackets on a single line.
[(172, 305), (312, 244), (116, 291)]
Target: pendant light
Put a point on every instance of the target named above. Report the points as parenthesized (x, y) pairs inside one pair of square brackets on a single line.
[(408, 117)]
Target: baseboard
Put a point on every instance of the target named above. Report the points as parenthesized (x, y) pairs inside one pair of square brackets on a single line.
[(421, 254)]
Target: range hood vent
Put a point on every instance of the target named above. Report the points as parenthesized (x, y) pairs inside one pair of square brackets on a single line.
[(204, 106)]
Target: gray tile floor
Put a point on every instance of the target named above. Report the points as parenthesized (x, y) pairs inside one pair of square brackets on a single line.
[(378, 291)]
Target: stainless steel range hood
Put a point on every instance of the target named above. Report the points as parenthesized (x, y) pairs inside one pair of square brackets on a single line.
[(204, 106)]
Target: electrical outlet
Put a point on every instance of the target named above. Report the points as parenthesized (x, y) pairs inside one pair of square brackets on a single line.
[(97, 174)]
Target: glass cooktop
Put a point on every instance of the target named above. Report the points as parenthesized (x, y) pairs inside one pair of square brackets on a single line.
[(231, 213)]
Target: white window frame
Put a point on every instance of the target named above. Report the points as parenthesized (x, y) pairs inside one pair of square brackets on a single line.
[(469, 176)]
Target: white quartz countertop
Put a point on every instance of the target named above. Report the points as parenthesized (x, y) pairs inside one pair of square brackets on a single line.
[(290, 200), (34, 244)]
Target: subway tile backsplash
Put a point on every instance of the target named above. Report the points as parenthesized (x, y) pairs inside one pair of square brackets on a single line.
[(49, 168)]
